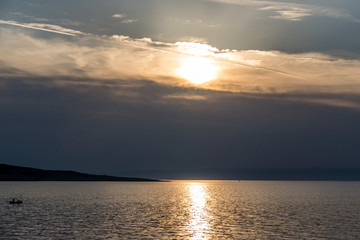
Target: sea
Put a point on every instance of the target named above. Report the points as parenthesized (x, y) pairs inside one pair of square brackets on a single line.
[(181, 210)]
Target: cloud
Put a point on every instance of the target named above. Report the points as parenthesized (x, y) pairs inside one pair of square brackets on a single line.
[(104, 59), (186, 97), (197, 49), (293, 11), (292, 14), (61, 21), (44, 27), (118, 15), (22, 15), (125, 21), (297, 12), (193, 22), (128, 21)]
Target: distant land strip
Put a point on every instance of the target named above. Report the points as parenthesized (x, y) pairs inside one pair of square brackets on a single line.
[(17, 173), (271, 174)]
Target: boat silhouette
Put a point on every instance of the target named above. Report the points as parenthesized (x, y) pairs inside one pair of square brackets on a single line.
[(15, 201)]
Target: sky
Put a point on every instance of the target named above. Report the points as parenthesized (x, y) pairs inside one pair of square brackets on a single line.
[(127, 85)]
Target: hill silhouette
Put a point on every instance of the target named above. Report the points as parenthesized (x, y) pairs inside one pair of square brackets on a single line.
[(17, 173)]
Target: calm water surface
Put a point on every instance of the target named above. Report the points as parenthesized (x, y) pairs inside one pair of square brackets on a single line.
[(181, 210)]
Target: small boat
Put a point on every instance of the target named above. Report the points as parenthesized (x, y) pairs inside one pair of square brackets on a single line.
[(15, 201)]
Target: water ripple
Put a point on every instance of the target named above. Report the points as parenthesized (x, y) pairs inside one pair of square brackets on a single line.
[(181, 210)]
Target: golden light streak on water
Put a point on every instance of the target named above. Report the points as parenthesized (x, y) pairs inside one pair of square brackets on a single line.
[(199, 223)]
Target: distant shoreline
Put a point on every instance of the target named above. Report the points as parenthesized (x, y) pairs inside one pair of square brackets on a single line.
[(17, 173), (253, 174)]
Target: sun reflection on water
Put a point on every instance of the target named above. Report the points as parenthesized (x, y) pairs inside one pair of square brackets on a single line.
[(199, 223)]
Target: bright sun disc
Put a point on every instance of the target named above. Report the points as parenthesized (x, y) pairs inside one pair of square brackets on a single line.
[(198, 70)]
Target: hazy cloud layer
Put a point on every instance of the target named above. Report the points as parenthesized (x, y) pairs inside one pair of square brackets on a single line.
[(110, 58), (87, 126)]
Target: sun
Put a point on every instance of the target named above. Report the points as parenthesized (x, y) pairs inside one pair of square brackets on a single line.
[(198, 70)]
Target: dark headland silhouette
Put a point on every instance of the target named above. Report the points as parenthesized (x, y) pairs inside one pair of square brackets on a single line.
[(16, 173)]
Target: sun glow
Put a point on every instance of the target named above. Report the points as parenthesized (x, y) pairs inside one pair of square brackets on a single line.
[(198, 70)]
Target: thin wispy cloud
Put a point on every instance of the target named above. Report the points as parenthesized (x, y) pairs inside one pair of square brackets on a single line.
[(292, 11), (186, 97), (44, 27), (119, 15), (59, 21), (129, 21), (292, 14), (125, 21), (198, 22), (297, 12), (32, 18)]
